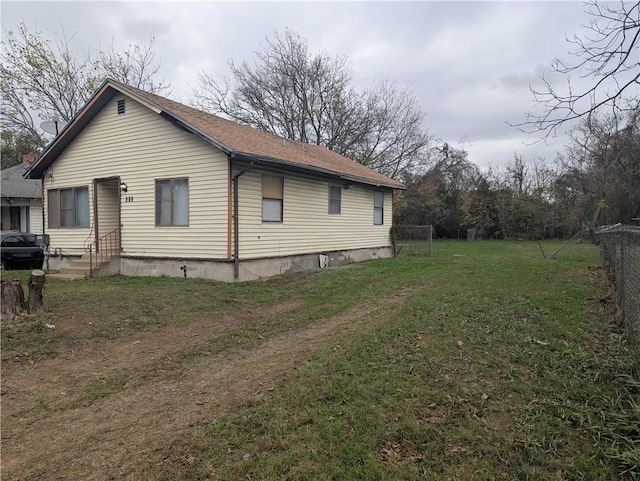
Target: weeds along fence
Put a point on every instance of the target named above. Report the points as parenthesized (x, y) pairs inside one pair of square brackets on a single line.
[(412, 240), (620, 249)]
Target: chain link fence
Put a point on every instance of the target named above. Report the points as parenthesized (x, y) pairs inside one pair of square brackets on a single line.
[(412, 240), (620, 249)]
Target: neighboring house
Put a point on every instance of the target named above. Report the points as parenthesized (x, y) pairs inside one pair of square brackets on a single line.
[(174, 191), (21, 199)]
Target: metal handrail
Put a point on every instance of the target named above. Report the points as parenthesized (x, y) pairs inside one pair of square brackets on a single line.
[(104, 249)]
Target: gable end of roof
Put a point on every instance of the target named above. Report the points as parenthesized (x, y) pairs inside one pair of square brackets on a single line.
[(235, 140)]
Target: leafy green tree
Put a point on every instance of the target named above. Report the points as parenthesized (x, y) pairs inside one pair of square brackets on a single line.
[(523, 216), (14, 144), (481, 208), (571, 206), (515, 202), (436, 197)]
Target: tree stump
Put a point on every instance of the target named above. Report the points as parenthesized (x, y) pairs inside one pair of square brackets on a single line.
[(12, 297), (36, 283)]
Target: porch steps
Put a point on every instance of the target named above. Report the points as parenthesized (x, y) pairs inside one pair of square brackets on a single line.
[(66, 277), (79, 269)]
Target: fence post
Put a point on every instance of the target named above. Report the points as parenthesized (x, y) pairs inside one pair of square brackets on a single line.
[(431, 240)]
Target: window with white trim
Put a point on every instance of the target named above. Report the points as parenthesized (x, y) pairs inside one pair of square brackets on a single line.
[(172, 202), (378, 207), (335, 199), (68, 207), (272, 198)]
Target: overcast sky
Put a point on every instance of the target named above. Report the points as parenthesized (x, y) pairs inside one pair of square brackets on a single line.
[(469, 63)]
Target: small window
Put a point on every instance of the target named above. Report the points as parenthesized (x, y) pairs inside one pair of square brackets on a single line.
[(120, 106), (172, 202), (272, 198), (335, 199), (378, 207), (68, 207)]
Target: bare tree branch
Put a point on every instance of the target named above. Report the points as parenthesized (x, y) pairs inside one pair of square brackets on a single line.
[(294, 94), (44, 80), (608, 54)]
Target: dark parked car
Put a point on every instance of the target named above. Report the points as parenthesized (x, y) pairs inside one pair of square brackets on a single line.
[(21, 250)]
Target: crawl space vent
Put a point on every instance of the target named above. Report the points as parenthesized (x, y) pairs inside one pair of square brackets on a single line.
[(120, 106)]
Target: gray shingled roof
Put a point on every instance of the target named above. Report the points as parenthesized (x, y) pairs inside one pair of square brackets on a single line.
[(15, 186)]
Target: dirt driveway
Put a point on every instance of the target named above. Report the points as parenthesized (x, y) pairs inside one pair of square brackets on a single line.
[(99, 411)]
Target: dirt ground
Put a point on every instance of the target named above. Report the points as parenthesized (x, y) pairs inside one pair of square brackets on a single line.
[(106, 438)]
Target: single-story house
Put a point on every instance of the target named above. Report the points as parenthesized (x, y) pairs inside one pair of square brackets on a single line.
[(21, 199), (142, 185)]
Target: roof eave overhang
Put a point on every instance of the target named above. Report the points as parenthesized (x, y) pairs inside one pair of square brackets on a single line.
[(110, 89), (289, 166)]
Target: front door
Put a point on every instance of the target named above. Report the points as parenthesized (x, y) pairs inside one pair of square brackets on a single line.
[(106, 210), (14, 218)]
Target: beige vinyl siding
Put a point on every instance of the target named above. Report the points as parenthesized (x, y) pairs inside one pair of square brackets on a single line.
[(307, 227), (140, 147), (35, 218), (23, 219)]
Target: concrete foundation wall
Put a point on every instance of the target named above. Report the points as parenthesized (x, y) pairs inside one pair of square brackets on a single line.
[(112, 267), (222, 270), (56, 262)]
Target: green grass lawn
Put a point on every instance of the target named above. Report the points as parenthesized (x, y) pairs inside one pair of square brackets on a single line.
[(497, 364), (500, 365)]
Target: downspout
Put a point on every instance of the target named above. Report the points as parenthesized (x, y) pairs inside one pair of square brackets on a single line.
[(43, 194), (236, 236), (44, 232), (229, 207), (95, 216)]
